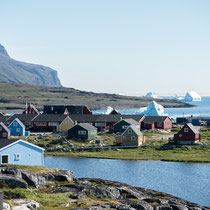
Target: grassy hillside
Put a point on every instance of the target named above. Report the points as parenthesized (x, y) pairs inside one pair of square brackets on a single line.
[(14, 97)]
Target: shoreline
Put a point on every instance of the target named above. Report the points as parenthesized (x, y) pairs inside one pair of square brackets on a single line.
[(76, 155)]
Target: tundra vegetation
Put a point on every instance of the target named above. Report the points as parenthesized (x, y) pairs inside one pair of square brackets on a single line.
[(156, 147)]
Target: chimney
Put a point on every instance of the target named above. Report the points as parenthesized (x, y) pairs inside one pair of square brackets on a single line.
[(75, 122)]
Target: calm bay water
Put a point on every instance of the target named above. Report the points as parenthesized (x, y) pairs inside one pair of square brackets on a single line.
[(201, 108), (188, 181)]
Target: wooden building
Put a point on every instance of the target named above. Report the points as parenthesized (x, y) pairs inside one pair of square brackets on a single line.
[(123, 124), (82, 131), (4, 131), (47, 122), (187, 135), (132, 136), (66, 109), (156, 122)]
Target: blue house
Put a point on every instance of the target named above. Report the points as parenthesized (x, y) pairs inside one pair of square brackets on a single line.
[(17, 128), (21, 153)]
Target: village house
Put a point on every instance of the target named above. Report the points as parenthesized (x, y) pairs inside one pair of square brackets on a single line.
[(123, 124), (82, 131), (26, 119), (65, 125), (66, 109), (187, 135), (4, 131), (132, 136), (17, 128), (31, 109), (20, 152), (156, 122), (47, 122)]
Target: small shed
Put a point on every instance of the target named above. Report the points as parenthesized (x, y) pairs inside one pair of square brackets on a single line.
[(21, 153), (82, 131), (187, 135)]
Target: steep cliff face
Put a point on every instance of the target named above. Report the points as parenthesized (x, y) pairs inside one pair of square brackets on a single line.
[(20, 72)]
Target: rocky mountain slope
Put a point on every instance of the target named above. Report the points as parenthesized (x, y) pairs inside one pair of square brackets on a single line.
[(20, 72), (76, 193)]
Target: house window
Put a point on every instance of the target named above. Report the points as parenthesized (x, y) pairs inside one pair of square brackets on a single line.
[(52, 124), (17, 156), (15, 124), (40, 123), (67, 122), (124, 127), (0, 128), (180, 135), (133, 138), (4, 159), (124, 137), (18, 129), (4, 134), (186, 130), (82, 132), (130, 131)]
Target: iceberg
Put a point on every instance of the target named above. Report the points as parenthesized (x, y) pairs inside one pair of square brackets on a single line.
[(154, 109), (192, 96), (109, 110), (150, 95)]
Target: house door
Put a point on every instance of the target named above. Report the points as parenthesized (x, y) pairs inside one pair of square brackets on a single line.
[(4, 159)]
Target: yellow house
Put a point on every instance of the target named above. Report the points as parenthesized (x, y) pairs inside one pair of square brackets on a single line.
[(65, 125)]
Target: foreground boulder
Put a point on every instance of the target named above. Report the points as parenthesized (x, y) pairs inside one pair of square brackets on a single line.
[(22, 178)]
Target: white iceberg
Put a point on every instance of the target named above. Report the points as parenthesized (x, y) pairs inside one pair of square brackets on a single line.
[(192, 96), (150, 95), (109, 110), (154, 109)]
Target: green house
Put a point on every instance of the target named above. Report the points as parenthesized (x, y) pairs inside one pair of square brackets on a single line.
[(82, 131)]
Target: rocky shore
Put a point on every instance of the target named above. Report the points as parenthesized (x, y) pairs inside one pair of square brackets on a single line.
[(84, 193)]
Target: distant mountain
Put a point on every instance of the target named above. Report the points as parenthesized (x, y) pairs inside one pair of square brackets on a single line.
[(19, 72)]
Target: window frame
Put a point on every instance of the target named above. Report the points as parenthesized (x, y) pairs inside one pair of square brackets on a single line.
[(7, 158)]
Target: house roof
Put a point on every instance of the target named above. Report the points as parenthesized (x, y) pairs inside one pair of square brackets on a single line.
[(4, 118), (22, 117), (135, 130), (19, 122), (8, 142), (198, 118), (87, 126), (131, 121), (5, 127), (83, 118), (49, 118), (136, 117), (153, 119), (193, 128)]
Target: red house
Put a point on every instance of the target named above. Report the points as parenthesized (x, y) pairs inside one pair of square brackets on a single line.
[(31, 109), (158, 122), (187, 135), (47, 122), (4, 131)]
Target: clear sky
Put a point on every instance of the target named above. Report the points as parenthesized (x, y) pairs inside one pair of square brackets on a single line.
[(120, 46)]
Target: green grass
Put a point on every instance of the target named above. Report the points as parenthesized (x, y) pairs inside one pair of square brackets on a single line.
[(33, 169), (180, 155)]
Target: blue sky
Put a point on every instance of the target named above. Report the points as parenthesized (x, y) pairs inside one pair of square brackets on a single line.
[(120, 46)]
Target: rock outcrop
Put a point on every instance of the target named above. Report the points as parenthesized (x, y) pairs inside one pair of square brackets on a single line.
[(20, 72), (93, 193)]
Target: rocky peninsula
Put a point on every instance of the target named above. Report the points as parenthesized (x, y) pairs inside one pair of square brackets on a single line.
[(42, 188)]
